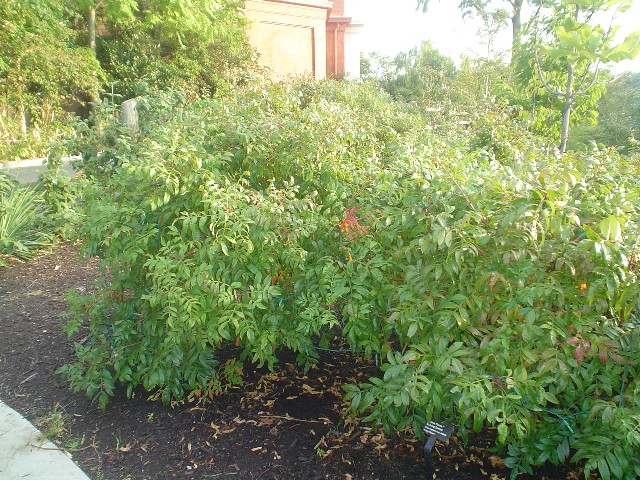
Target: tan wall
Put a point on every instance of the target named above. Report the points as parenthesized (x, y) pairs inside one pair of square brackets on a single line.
[(290, 36)]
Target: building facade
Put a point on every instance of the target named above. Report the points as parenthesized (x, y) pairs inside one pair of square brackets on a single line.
[(306, 37)]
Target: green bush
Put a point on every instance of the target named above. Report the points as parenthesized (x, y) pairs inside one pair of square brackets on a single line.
[(499, 290)]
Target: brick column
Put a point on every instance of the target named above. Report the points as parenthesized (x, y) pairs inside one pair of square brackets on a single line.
[(336, 27)]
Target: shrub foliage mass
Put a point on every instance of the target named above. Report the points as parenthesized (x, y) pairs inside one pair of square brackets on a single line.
[(497, 286)]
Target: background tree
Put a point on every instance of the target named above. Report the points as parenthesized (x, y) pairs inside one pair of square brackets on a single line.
[(480, 83), (422, 77), (56, 54), (195, 45), (42, 70), (115, 10), (492, 9), (618, 115)]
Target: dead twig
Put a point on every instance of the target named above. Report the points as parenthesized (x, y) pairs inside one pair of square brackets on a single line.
[(292, 419)]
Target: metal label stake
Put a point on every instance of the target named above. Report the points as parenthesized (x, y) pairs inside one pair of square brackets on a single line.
[(434, 431)]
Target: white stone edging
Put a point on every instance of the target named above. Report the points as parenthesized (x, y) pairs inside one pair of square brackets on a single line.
[(35, 162)]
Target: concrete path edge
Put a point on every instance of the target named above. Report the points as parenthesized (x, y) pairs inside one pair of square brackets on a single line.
[(26, 454), (34, 162)]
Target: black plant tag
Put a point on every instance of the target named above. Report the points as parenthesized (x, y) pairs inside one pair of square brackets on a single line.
[(434, 431), (438, 430)]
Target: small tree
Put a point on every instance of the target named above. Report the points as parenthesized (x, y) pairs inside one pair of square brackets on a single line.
[(115, 10), (193, 45), (570, 47)]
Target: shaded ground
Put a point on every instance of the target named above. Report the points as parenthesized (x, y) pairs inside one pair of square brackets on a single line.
[(281, 425)]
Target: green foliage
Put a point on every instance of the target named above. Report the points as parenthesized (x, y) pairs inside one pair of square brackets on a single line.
[(48, 70), (60, 192), (498, 285), (193, 46), (24, 225), (543, 109), (480, 84), (511, 308), (230, 214), (619, 114), (502, 135), (115, 10), (423, 76), (7, 182)]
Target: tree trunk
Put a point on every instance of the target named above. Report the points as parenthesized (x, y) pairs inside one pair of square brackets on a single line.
[(568, 99), (566, 113), (91, 39), (91, 23), (516, 24), (516, 28)]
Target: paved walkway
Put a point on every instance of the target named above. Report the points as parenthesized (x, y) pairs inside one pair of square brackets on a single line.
[(26, 455), (28, 171)]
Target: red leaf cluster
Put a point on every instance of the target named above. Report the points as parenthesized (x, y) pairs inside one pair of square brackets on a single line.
[(351, 225), (582, 347), (607, 350)]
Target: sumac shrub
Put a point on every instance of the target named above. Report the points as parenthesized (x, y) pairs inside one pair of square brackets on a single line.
[(499, 292)]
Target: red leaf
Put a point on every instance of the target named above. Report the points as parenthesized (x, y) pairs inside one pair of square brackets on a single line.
[(617, 358), (602, 355), (578, 354), (573, 341)]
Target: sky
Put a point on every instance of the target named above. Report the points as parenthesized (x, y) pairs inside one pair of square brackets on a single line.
[(400, 28)]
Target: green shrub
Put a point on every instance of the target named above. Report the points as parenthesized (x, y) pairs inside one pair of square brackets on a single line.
[(498, 290), (61, 192)]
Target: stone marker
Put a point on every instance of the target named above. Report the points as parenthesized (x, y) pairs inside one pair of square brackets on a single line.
[(129, 116)]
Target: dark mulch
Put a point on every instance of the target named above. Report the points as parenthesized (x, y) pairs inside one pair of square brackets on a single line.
[(280, 425)]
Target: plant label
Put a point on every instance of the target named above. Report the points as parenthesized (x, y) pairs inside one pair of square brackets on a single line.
[(438, 430), (434, 431)]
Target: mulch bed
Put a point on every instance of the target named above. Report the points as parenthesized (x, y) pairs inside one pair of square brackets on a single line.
[(280, 425)]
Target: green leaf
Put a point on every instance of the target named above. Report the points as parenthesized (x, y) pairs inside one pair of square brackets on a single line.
[(614, 465), (603, 468), (610, 229), (503, 431), (413, 328), (355, 401)]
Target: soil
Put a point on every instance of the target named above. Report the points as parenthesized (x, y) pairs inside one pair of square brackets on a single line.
[(282, 424)]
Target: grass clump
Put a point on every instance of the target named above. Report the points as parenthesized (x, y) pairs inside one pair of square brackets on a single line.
[(24, 224)]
